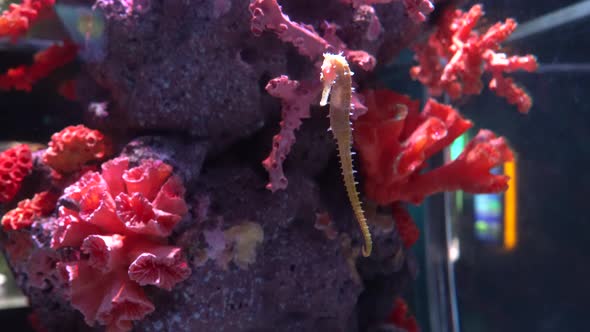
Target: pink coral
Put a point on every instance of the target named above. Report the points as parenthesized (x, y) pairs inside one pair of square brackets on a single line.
[(297, 99), (15, 164), (268, 16), (124, 218), (74, 146), (298, 96), (121, 300), (468, 54), (160, 266), (417, 9)]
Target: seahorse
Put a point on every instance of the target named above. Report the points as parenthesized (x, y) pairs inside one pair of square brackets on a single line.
[(336, 77)]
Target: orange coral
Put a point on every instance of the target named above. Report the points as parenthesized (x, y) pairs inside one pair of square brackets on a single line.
[(15, 164), (75, 146), (27, 210)]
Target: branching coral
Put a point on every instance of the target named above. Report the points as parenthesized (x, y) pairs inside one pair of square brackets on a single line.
[(417, 9), (395, 141), (42, 204), (17, 19), (75, 146), (400, 316), (110, 232), (15, 22), (44, 63), (15, 164), (468, 54), (405, 226), (297, 97), (267, 16), (121, 223)]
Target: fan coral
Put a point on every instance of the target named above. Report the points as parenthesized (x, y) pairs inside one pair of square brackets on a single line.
[(122, 220), (73, 147), (15, 164), (468, 54), (42, 204)]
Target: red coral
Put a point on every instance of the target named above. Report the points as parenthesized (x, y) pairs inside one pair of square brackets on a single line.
[(75, 146), (15, 164), (44, 63), (401, 318), (468, 54), (27, 210), (123, 218), (17, 20), (14, 23), (67, 89), (395, 140), (405, 226)]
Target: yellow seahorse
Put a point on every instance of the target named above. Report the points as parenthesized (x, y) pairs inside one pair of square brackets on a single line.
[(337, 79)]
